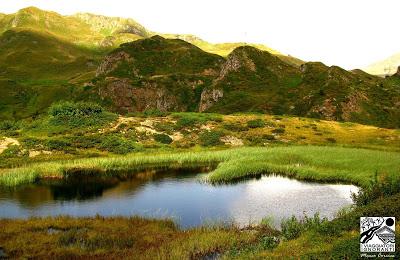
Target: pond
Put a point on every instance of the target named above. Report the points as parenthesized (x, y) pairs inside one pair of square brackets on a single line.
[(180, 194)]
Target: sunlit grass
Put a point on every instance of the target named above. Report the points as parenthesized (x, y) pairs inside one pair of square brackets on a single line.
[(352, 165)]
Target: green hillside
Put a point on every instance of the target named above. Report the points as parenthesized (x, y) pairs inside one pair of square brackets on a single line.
[(155, 73), (45, 57), (32, 55)]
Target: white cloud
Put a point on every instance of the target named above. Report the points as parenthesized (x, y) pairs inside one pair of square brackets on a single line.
[(350, 33)]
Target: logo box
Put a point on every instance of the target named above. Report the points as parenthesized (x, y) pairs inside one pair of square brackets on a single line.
[(377, 234)]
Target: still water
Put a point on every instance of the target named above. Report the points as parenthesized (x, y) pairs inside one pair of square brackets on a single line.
[(179, 194)]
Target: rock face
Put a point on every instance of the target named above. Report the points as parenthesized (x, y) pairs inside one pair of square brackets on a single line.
[(209, 97), (157, 73), (236, 60), (111, 62), (128, 98)]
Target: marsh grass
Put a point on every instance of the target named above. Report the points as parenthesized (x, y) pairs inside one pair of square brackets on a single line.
[(327, 164), (114, 238)]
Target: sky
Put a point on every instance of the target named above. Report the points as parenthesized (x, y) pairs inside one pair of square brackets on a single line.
[(348, 33)]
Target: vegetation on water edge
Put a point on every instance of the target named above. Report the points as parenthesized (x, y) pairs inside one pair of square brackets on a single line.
[(136, 237), (318, 163)]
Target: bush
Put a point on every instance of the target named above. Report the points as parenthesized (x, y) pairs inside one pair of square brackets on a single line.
[(7, 125), (210, 138), (13, 151), (31, 142), (118, 145), (268, 242), (292, 228), (163, 138), (57, 144), (167, 127), (191, 119), (278, 131), (235, 127), (331, 140), (86, 142), (67, 109), (256, 123), (186, 122), (381, 187), (269, 137), (80, 114)]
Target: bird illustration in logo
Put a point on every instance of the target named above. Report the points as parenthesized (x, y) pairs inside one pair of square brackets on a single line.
[(369, 227)]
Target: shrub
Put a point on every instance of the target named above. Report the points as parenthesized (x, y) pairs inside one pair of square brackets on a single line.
[(71, 109), (167, 127), (80, 114), (269, 137), (256, 123), (236, 127), (7, 125), (210, 138), (118, 145), (191, 119), (382, 186), (57, 144), (268, 242), (293, 227), (278, 131), (85, 142), (163, 138), (331, 140), (31, 142), (186, 122), (13, 151)]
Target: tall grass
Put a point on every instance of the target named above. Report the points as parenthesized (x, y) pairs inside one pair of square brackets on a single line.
[(352, 165)]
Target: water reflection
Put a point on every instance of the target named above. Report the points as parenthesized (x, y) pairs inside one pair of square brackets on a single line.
[(180, 194)]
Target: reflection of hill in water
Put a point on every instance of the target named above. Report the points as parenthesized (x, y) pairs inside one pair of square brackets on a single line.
[(27, 196), (83, 187)]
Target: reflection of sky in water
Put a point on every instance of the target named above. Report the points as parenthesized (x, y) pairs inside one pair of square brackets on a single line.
[(279, 198), (190, 201)]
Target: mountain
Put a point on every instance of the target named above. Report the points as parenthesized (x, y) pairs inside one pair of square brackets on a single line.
[(174, 75), (156, 73), (223, 49), (46, 57), (385, 67), (85, 30)]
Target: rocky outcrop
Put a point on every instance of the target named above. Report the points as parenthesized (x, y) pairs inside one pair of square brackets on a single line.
[(209, 97), (353, 104), (237, 59), (128, 98), (111, 62)]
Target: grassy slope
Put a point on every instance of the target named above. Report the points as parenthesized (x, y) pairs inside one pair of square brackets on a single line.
[(27, 55)]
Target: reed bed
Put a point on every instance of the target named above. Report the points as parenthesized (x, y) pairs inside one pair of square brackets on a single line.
[(318, 163)]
